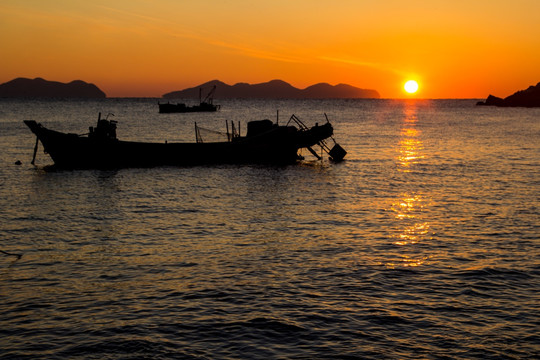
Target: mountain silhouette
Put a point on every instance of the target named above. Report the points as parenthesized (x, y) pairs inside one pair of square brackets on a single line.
[(523, 98), (275, 89), (38, 87)]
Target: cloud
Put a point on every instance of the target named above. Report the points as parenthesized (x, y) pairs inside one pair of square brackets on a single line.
[(257, 53), (373, 65), (173, 29)]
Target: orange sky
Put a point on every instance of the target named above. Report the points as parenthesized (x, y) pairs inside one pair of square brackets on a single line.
[(454, 49)]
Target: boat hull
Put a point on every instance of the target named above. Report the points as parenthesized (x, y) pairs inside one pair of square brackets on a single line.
[(182, 108), (73, 151)]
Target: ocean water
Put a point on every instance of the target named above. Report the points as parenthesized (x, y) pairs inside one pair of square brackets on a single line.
[(422, 244)]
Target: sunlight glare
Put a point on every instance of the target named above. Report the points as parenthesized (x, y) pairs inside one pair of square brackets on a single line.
[(411, 86)]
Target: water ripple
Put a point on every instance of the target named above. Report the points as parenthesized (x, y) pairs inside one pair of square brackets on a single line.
[(422, 244)]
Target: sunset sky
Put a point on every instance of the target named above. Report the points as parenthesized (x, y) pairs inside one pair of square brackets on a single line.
[(145, 48)]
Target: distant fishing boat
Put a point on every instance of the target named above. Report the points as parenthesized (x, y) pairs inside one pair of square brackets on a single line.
[(265, 142), (205, 105)]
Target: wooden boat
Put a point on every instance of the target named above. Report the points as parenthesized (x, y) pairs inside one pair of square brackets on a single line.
[(265, 142), (205, 105), (182, 108)]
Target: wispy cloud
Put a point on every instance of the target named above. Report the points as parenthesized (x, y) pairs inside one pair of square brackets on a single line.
[(131, 14), (374, 65), (257, 53), (176, 30)]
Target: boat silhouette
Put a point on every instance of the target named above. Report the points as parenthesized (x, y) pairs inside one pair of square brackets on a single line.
[(265, 142), (206, 105)]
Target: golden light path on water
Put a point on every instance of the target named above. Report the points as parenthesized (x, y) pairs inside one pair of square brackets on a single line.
[(411, 205)]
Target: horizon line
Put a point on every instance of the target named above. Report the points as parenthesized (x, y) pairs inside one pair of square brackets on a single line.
[(229, 98)]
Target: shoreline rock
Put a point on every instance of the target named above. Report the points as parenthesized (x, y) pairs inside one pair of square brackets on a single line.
[(523, 98)]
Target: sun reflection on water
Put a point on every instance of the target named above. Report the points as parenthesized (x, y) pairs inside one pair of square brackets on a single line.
[(408, 211), (410, 146), (410, 207)]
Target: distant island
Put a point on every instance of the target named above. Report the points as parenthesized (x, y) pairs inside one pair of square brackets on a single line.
[(38, 87), (275, 89), (523, 98)]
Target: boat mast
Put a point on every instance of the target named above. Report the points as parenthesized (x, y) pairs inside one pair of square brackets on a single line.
[(210, 97)]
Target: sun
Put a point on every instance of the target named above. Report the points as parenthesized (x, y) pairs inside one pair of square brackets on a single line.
[(411, 86)]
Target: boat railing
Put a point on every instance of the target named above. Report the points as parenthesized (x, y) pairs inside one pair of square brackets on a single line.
[(298, 122), (203, 135)]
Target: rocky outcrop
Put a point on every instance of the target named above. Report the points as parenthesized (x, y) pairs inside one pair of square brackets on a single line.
[(38, 87), (275, 89), (523, 98)]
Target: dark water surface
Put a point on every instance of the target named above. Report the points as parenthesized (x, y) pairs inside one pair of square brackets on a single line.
[(424, 243)]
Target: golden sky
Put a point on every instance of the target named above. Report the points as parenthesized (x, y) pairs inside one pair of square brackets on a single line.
[(454, 49)]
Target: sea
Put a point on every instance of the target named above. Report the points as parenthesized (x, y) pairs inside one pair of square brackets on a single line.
[(422, 244)]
